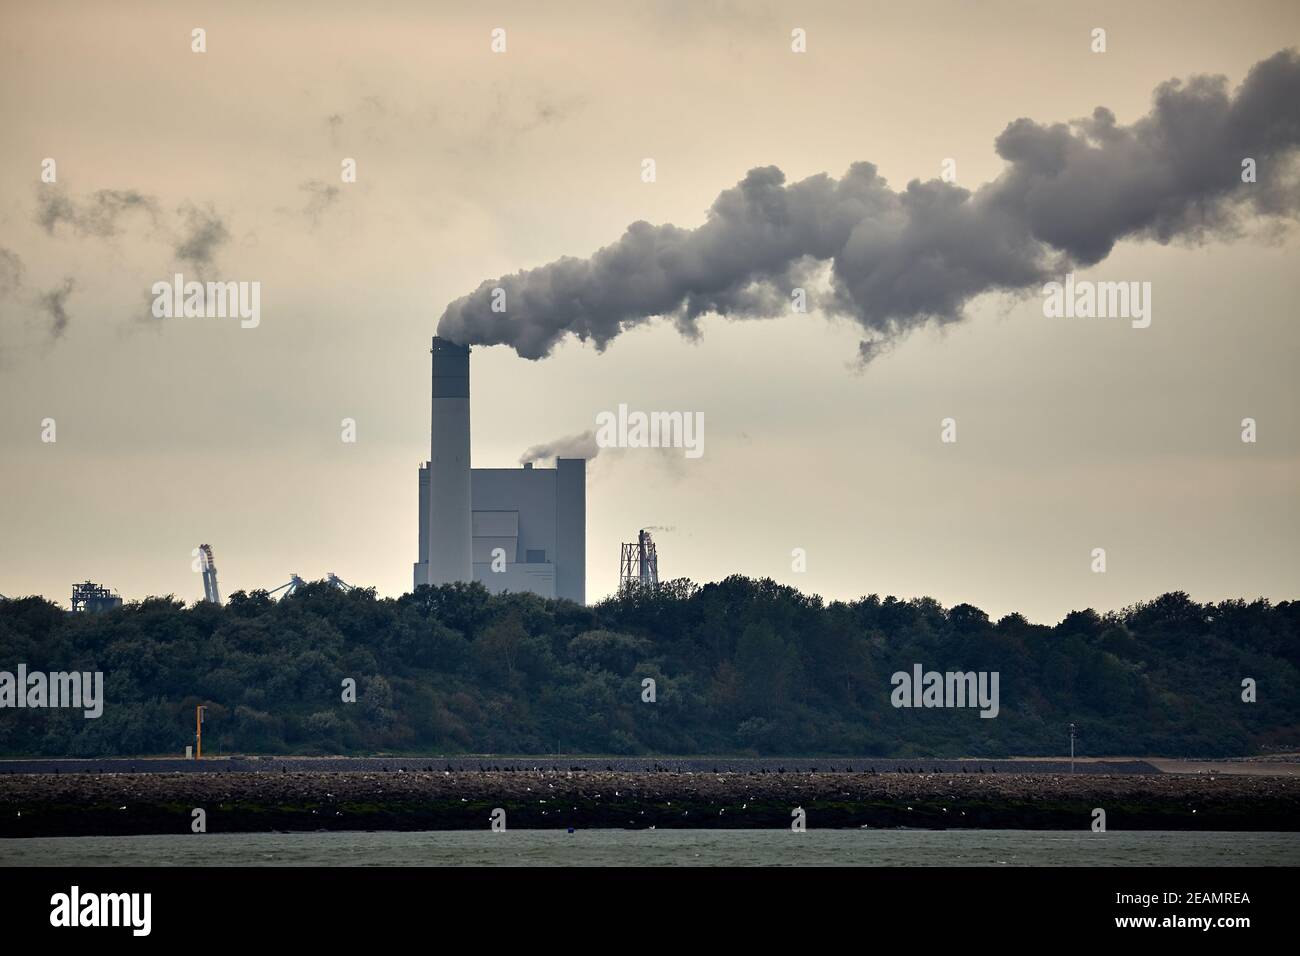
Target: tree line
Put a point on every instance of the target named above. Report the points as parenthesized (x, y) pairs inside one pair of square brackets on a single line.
[(740, 666)]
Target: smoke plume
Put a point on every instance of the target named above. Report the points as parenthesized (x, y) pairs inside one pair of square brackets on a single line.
[(54, 304), (203, 233), (196, 231), (96, 215), (900, 259), (575, 446), (320, 197), (11, 272)]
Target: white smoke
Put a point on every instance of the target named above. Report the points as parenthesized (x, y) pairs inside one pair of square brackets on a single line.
[(574, 446)]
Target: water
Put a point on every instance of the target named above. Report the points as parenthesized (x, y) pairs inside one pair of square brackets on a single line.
[(666, 848)]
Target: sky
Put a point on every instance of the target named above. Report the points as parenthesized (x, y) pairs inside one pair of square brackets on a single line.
[(1071, 434)]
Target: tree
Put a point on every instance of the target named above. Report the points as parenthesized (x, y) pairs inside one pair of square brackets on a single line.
[(498, 646)]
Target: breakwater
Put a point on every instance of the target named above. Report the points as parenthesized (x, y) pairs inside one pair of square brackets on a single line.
[(65, 804), (485, 764)]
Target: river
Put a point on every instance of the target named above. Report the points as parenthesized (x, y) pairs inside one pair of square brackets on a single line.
[(666, 848)]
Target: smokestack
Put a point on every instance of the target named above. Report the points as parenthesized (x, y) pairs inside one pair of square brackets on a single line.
[(450, 536)]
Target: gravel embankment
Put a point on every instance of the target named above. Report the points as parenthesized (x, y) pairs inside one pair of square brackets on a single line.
[(625, 764), (122, 803)]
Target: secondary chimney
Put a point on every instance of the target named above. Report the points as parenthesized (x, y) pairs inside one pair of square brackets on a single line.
[(450, 537)]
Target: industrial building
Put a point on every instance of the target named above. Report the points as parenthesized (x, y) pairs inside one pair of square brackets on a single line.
[(89, 597), (512, 529)]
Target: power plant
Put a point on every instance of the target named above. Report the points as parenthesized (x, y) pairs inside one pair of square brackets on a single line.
[(511, 529)]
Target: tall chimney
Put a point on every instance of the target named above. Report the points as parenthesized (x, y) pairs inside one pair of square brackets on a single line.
[(450, 537)]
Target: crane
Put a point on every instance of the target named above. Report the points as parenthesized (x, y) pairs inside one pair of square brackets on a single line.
[(293, 584), (208, 565)]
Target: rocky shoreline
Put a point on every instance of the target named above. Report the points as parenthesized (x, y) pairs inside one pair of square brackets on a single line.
[(84, 804), (248, 763)]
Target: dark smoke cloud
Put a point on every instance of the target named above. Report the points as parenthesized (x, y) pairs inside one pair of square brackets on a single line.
[(203, 232), (196, 232), (574, 446), (11, 272), (899, 259), (54, 304), (11, 280), (97, 215), (320, 197)]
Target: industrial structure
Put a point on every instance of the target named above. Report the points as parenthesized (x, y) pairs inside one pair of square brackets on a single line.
[(293, 584), (639, 563), (208, 565), (91, 597), (512, 529)]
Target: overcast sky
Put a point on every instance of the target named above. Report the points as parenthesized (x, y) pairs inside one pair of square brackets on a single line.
[(1071, 434)]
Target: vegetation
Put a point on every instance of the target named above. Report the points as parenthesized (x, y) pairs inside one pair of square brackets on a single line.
[(741, 667)]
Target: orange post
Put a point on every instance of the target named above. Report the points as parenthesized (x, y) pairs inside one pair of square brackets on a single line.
[(198, 732)]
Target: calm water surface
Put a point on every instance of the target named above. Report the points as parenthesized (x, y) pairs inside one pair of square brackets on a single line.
[(666, 848)]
